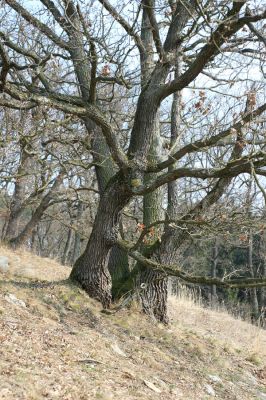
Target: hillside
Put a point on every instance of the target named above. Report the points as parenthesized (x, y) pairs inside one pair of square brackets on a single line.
[(56, 344)]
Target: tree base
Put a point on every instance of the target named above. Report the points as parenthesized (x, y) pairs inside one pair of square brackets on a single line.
[(96, 283)]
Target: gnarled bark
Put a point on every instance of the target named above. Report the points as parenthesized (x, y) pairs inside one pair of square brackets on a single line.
[(105, 169), (91, 268)]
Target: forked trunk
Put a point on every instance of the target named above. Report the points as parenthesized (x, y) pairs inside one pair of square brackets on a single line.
[(105, 169)]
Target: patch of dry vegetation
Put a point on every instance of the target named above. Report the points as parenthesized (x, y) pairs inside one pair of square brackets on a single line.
[(60, 346), (187, 312), (32, 266)]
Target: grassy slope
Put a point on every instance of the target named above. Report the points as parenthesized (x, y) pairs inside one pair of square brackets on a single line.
[(60, 346)]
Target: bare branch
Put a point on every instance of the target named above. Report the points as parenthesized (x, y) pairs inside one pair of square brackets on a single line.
[(228, 27), (118, 17), (17, 105), (200, 144), (38, 24), (5, 67), (257, 33), (149, 6), (232, 169), (172, 270)]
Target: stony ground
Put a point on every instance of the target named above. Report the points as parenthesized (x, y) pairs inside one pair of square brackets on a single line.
[(55, 343)]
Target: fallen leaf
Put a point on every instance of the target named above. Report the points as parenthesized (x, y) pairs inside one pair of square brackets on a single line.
[(117, 350), (151, 386)]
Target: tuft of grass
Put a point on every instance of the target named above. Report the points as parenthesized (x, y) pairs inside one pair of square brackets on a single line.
[(254, 359)]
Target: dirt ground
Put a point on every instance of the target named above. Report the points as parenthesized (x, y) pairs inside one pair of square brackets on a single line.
[(55, 343)]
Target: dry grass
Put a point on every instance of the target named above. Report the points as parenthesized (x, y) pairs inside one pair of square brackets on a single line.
[(32, 266), (187, 311), (60, 346)]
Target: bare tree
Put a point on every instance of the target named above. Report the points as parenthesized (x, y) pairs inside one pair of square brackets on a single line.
[(91, 57)]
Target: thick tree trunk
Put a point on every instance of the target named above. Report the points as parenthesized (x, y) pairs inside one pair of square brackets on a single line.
[(151, 285), (173, 187), (156, 289), (105, 169), (153, 292), (91, 269)]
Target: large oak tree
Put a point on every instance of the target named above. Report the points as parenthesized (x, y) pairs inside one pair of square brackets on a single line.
[(81, 58)]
